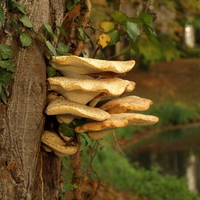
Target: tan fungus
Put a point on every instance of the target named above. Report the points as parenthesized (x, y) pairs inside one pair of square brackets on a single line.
[(118, 121), (73, 66), (124, 104), (63, 106), (98, 135), (84, 90), (57, 144)]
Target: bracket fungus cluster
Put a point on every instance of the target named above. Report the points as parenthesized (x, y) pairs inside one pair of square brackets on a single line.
[(89, 89)]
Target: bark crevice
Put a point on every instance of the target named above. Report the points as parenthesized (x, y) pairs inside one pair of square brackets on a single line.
[(25, 171)]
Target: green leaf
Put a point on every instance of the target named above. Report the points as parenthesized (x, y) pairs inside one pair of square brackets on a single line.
[(136, 20), (3, 97), (151, 35), (12, 4), (6, 90), (107, 26), (62, 30), (82, 34), (22, 9), (135, 47), (5, 78), (149, 31), (67, 129), (133, 30), (153, 39), (6, 64), (26, 21), (78, 122), (50, 30), (25, 39), (84, 140), (119, 17), (11, 67), (62, 48), (51, 48), (71, 3), (6, 51), (146, 18), (115, 37), (1, 86), (1, 16), (51, 71), (15, 24), (69, 187)]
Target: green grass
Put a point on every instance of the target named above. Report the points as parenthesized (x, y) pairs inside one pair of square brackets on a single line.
[(171, 113), (116, 171)]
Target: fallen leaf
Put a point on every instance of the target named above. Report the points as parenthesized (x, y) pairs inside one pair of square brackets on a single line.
[(104, 40)]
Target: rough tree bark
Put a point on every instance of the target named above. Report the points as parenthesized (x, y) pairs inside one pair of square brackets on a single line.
[(25, 171)]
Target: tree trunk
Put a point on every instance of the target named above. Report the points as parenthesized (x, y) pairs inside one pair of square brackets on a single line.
[(191, 172), (25, 171)]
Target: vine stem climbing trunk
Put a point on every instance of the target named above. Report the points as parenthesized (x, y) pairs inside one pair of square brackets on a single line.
[(75, 165), (25, 171)]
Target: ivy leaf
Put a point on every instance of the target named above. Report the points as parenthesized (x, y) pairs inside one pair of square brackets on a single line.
[(50, 30), (51, 47), (3, 97), (1, 86), (5, 78), (1, 16), (62, 30), (78, 122), (146, 18), (67, 129), (21, 8), (15, 24), (12, 4), (51, 71), (11, 67), (135, 47), (115, 37), (107, 26), (62, 48), (82, 34), (26, 21), (153, 39), (85, 140), (6, 90), (6, 64), (5, 51), (133, 30), (25, 39), (68, 187), (151, 35), (119, 17), (71, 3)]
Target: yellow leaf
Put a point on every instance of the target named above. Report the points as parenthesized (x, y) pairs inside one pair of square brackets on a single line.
[(104, 40), (107, 26)]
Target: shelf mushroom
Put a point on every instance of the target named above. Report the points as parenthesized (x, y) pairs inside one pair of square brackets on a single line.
[(84, 90), (64, 108), (79, 67), (125, 104), (57, 144), (116, 121)]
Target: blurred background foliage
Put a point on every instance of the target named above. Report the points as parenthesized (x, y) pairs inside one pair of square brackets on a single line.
[(148, 163), (156, 30)]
